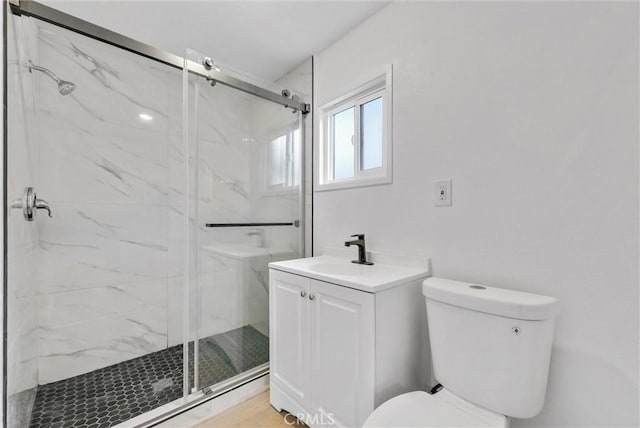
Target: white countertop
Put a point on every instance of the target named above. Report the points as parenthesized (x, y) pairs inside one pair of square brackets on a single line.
[(339, 270)]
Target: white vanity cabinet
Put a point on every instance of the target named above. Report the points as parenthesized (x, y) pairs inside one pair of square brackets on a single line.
[(337, 352)]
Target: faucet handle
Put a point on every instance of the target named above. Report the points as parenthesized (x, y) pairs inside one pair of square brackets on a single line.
[(358, 235), (41, 204), (29, 204)]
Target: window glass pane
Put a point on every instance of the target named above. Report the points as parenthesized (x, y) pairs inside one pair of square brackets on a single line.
[(278, 161), (343, 153), (297, 158), (371, 134)]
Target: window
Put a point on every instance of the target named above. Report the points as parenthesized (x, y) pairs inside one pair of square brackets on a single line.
[(278, 155), (283, 160), (355, 142)]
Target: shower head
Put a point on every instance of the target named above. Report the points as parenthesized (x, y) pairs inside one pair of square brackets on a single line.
[(64, 87)]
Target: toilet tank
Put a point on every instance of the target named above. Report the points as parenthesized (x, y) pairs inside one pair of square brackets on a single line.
[(491, 346)]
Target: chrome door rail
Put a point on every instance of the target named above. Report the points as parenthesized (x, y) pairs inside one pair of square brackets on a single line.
[(210, 393), (54, 16)]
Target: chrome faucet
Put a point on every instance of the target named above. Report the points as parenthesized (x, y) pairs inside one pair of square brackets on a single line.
[(362, 252)]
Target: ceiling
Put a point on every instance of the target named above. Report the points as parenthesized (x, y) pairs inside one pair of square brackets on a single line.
[(259, 39)]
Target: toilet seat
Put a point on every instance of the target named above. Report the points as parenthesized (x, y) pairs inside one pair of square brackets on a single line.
[(443, 409)]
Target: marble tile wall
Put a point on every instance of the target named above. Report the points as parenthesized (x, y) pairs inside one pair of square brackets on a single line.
[(22, 237), (102, 270)]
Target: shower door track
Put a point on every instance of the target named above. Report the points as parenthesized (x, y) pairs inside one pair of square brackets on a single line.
[(211, 393), (70, 22)]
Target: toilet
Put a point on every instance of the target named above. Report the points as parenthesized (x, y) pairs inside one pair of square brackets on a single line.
[(490, 349)]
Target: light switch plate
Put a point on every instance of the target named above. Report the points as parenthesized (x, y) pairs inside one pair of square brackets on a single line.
[(443, 193)]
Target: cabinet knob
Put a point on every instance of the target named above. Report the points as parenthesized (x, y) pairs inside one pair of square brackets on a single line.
[(303, 293), (311, 297)]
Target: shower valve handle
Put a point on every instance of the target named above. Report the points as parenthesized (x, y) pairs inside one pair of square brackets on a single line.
[(29, 204), (41, 204)]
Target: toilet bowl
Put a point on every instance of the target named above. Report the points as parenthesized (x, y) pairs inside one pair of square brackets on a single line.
[(490, 348), (442, 409)]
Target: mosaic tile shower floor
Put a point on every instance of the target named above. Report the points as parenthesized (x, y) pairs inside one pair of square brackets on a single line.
[(114, 394)]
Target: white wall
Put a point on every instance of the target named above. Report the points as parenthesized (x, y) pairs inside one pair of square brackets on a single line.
[(532, 110)]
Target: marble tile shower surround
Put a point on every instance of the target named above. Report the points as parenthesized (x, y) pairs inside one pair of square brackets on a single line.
[(108, 286), (113, 85), (102, 274), (22, 237)]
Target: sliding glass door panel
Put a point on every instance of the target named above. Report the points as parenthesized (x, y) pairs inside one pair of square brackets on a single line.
[(246, 205), (90, 323)]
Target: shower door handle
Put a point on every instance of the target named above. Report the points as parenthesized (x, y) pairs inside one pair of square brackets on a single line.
[(29, 204)]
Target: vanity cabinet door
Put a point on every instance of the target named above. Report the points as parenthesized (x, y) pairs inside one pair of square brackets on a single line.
[(289, 340), (342, 354)]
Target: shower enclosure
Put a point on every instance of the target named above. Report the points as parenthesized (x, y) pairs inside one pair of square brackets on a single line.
[(171, 186)]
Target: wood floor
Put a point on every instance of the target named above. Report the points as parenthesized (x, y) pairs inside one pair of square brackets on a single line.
[(255, 412)]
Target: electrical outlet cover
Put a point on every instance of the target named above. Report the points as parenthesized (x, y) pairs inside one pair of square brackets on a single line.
[(442, 193)]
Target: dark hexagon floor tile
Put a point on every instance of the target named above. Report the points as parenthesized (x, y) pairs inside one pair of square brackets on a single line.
[(114, 394)]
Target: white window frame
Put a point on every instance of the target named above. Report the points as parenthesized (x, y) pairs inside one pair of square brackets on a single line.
[(380, 86)]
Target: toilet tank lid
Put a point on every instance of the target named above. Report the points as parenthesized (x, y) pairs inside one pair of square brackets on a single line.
[(492, 300)]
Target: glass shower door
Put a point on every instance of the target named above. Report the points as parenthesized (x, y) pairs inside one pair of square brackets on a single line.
[(91, 326), (244, 200)]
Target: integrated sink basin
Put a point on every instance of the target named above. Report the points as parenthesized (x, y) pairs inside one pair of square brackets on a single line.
[(336, 268), (341, 269)]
